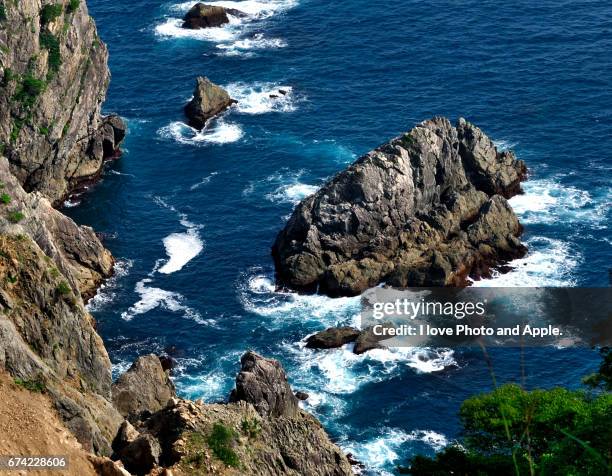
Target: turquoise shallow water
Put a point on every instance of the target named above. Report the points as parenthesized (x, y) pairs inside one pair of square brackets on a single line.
[(192, 216)]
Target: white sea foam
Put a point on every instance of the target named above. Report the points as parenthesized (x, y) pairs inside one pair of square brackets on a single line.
[(546, 201), (549, 263), (282, 187), (258, 295), (261, 98), (72, 202), (171, 28), (205, 181), (252, 8), (107, 291), (504, 144), (248, 46), (152, 298), (384, 450), (181, 248), (218, 132), (292, 193)]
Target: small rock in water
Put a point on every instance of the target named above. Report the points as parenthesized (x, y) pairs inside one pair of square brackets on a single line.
[(208, 101), (205, 16), (301, 395), (332, 338)]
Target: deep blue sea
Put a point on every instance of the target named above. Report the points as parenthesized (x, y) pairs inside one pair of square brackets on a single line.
[(191, 216)]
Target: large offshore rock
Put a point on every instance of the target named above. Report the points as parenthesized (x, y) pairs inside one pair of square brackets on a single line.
[(425, 209), (208, 101), (53, 80)]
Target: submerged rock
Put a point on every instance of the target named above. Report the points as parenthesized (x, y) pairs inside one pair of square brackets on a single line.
[(332, 338), (208, 101), (145, 388), (427, 208)]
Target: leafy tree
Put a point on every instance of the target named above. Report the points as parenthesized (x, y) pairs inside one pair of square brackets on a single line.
[(512, 431)]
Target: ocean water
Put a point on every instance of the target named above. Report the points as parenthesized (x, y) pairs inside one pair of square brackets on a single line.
[(191, 215)]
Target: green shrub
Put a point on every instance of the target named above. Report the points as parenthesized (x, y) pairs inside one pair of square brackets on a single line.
[(63, 288), (35, 385), (73, 6), (29, 89), (220, 442), (250, 427), (16, 130), (2, 12), (49, 13), (49, 42), (8, 76), (15, 216), (11, 279), (5, 198)]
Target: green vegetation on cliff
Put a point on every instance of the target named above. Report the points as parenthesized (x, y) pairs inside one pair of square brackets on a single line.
[(49, 13)]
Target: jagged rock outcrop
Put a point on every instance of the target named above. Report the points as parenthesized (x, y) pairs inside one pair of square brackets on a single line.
[(145, 388), (208, 101), (208, 16), (263, 383), (266, 435), (427, 208), (75, 250), (53, 80), (332, 338)]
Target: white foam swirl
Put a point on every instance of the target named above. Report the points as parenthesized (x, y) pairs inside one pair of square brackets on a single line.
[(261, 98), (220, 132)]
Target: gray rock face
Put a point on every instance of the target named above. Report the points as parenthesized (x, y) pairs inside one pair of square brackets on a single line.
[(47, 263), (141, 455), (53, 81), (425, 209), (207, 16), (145, 387), (208, 101), (265, 442), (263, 383), (75, 250), (332, 338)]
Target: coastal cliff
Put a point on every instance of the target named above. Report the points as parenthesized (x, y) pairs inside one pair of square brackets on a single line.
[(53, 80), (427, 208)]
